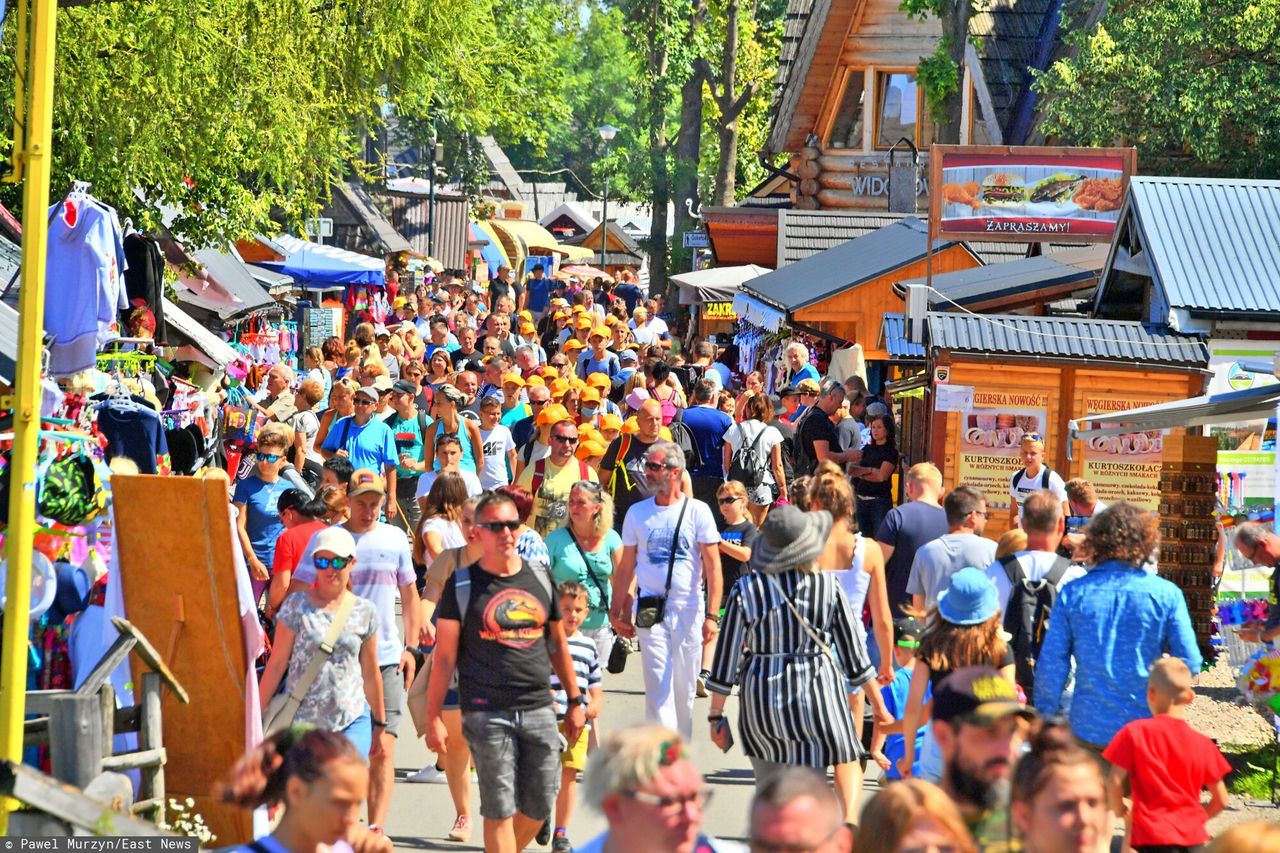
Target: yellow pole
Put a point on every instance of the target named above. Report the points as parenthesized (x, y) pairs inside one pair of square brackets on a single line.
[(26, 426)]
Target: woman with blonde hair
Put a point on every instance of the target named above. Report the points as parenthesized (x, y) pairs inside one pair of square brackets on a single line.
[(913, 815), (438, 528), (587, 551), (1011, 542), (788, 642), (341, 405), (965, 629), (352, 356)]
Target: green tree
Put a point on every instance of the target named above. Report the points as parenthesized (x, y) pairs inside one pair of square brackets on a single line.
[(230, 110), (1191, 84)]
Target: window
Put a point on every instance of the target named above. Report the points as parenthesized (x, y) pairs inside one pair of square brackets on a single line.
[(846, 130), (898, 108)]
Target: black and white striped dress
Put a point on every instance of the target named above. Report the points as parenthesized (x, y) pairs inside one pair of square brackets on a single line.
[(794, 708)]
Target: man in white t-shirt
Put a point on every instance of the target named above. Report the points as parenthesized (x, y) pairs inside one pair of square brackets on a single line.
[(383, 567), (499, 447), (1033, 477), (669, 534), (1044, 524)]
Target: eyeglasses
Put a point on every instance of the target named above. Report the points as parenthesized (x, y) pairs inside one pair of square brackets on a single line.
[(656, 466), (590, 486), (498, 526), (673, 805), (336, 564), (567, 439), (363, 401), (981, 512), (269, 457), (728, 499)]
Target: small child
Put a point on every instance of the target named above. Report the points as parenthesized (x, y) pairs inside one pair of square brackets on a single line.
[(1167, 764), (887, 742), (573, 610)]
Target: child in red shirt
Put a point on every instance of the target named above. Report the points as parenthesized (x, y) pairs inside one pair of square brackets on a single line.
[(1167, 764)]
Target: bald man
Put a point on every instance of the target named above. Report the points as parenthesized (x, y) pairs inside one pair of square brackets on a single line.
[(622, 468)]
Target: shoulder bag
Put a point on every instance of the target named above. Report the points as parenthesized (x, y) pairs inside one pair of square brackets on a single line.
[(283, 707), (650, 609), (617, 662)]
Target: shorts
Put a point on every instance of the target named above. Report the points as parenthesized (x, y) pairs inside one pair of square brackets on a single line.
[(392, 697), (517, 758), (360, 733), (575, 757)]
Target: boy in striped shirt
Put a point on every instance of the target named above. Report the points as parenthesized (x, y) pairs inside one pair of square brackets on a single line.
[(586, 666)]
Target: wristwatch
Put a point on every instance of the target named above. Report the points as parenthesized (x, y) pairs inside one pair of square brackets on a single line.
[(578, 700), (377, 724)]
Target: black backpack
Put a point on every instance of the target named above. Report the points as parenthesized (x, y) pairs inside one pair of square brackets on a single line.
[(683, 438), (1026, 615), (748, 466), (803, 463)]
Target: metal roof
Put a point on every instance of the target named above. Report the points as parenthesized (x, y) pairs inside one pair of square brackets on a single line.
[(1213, 244), (825, 274), (1230, 407), (411, 215), (804, 233), (379, 233), (1063, 338), (998, 281), (893, 339)]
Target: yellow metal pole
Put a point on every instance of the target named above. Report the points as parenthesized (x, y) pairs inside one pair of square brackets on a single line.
[(26, 425)]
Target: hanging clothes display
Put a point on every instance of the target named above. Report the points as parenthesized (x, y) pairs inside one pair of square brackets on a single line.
[(84, 290), (132, 428), (144, 277)]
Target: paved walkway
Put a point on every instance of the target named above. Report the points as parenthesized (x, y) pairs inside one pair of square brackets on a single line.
[(421, 815)]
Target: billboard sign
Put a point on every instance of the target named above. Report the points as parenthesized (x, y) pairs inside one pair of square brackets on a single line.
[(1027, 194)]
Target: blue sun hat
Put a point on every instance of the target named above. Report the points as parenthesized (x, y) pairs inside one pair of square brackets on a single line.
[(970, 600)]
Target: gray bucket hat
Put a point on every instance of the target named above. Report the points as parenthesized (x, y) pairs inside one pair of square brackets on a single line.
[(788, 538)]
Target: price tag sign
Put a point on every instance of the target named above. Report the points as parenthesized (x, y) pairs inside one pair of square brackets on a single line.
[(952, 398)]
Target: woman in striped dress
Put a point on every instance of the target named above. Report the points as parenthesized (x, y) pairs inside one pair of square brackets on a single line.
[(789, 644)]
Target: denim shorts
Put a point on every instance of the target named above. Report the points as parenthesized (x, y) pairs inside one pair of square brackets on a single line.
[(517, 758)]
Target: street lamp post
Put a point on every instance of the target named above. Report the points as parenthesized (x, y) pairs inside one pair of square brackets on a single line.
[(607, 133)]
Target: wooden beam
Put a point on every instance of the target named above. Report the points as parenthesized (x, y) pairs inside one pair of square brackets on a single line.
[(152, 658), (116, 655), (76, 738), (135, 760), (33, 788)]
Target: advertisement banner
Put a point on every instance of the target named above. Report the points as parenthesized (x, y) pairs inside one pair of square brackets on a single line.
[(718, 311), (1124, 467), (1028, 194), (1247, 479), (991, 440)]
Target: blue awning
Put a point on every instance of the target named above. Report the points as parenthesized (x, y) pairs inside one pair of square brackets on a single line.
[(490, 251), (313, 264)]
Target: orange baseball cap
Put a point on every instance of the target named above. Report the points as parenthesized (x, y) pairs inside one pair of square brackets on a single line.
[(599, 380), (573, 344), (552, 414), (535, 379), (630, 426), (584, 322), (548, 372), (559, 386), (591, 394), (513, 379), (528, 328), (590, 448), (610, 421)]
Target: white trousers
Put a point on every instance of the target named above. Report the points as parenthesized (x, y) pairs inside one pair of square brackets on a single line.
[(671, 655)]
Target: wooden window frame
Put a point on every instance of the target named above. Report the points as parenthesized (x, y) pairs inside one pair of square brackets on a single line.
[(875, 95), (841, 89)]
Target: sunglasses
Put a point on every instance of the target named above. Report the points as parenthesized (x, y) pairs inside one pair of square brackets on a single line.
[(727, 499), (1034, 436), (587, 484), (498, 526), (269, 457), (567, 439), (363, 401), (538, 402), (337, 564), (656, 466)]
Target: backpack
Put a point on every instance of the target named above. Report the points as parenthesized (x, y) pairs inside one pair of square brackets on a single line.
[(748, 466), (802, 462), (1026, 615), (1045, 474), (618, 476), (683, 438), (422, 424), (540, 474), (462, 587)]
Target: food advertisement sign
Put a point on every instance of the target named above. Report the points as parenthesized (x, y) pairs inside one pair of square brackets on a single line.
[(1124, 467), (991, 439), (1028, 194)]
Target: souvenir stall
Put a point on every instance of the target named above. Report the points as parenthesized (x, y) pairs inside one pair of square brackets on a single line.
[(320, 269), (712, 292)]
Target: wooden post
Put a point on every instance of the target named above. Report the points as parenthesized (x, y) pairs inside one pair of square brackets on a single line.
[(75, 739), (107, 707), (151, 736)]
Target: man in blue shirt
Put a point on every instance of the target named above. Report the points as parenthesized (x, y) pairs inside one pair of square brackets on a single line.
[(1115, 621), (538, 292), (708, 425), (367, 441)]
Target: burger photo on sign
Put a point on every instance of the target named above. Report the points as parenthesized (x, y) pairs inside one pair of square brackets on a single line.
[(1004, 193)]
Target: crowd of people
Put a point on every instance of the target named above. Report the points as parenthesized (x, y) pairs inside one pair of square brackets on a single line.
[(543, 479)]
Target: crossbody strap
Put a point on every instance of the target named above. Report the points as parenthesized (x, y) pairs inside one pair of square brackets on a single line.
[(604, 597), (675, 540), (804, 623), (322, 654)]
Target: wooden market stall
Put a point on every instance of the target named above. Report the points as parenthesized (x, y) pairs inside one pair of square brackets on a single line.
[(994, 378)]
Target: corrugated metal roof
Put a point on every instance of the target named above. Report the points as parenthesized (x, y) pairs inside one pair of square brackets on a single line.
[(983, 284), (893, 338), (1063, 338), (1213, 243), (381, 233), (804, 233), (825, 274), (411, 215)]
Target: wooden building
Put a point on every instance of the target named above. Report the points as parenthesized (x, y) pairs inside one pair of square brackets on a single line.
[(621, 251), (990, 379)]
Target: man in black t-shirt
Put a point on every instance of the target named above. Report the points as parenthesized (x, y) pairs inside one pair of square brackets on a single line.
[(499, 626), (816, 438)]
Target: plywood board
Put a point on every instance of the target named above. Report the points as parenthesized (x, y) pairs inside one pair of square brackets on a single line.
[(174, 535)]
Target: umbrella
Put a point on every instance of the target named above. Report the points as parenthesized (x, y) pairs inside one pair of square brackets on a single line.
[(583, 271)]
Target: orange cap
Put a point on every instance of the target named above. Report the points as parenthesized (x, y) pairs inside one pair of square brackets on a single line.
[(552, 414), (590, 448), (610, 421), (630, 426)]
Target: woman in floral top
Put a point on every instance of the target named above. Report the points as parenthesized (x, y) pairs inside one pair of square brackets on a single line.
[(334, 701)]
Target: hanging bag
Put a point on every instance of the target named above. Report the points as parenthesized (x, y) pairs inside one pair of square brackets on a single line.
[(283, 707), (651, 609)]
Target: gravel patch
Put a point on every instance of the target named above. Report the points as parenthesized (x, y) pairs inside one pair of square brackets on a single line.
[(1217, 711)]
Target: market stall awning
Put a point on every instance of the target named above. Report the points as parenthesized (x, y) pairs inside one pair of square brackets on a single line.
[(528, 238), (758, 312), (582, 271), (720, 284), (220, 283), (1231, 407), (1012, 284), (204, 347), (493, 252), (313, 264), (276, 283)]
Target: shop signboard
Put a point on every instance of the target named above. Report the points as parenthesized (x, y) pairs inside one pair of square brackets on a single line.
[(953, 398), (991, 434), (718, 311), (1028, 194), (1124, 467)]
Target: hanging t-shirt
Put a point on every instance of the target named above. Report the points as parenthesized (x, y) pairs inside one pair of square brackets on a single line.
[(497, 444), (262, 523), (84, 284), (651, 529), (370, 446), (502, 651), (133, 430), (550, 489)]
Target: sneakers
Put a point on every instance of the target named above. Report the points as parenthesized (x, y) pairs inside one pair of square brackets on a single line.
[(430, 774), (560, 844), (544, 834), (702, 683), (461, 831)]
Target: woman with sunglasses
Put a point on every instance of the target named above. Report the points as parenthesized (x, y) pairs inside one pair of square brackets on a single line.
[(587, 551), (255, 499), (346, 697)]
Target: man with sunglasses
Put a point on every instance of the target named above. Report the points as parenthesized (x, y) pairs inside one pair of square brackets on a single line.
[(367, 441), (498, 625), (550, 479), (383, 567), (670, 549), (1257, 544)]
